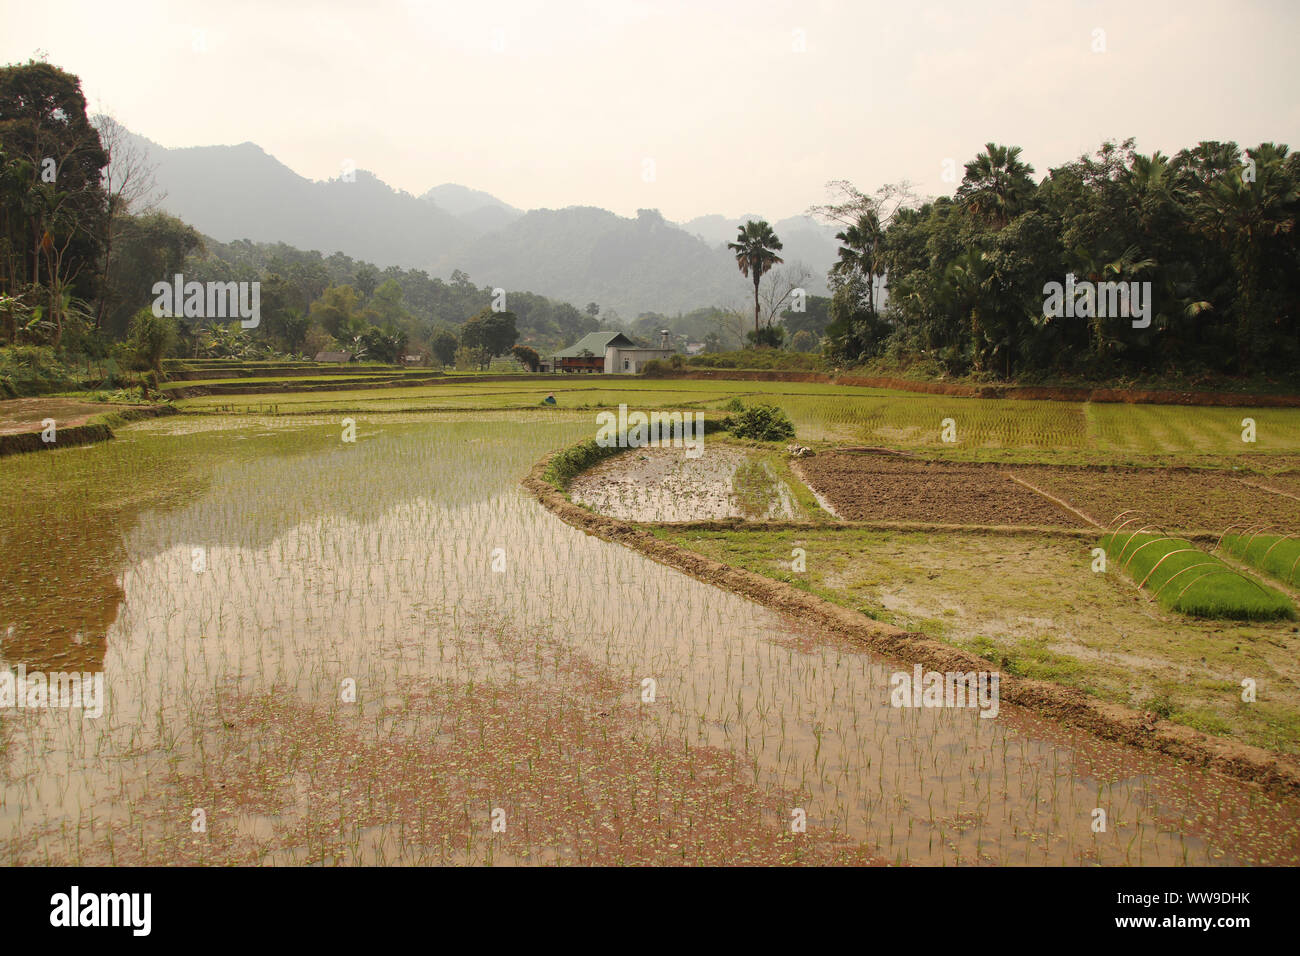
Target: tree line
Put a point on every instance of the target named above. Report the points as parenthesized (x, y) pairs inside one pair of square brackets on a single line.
[(82, 244), (961, 281)]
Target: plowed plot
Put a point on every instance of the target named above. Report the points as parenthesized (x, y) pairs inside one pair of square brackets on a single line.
[(1169, 498), (882, 488), (1288, 481)]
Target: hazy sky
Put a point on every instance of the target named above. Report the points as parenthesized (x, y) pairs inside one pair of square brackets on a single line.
[(553, 103)]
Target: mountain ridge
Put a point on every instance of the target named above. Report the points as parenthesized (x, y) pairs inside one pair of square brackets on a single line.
[(579, 254)]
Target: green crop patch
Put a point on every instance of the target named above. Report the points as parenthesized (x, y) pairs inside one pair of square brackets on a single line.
[(1276, 555), (1183, 578)]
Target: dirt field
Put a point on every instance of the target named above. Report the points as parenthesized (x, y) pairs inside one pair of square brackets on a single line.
[(1171, 497), (871, 487), (865, 486), (25, 414), (1286, 481)]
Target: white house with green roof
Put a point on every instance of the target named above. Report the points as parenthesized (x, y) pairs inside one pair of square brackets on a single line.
[(612, 353)]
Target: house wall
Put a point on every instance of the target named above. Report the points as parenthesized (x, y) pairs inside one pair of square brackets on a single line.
[(585, 364), (616, 358)]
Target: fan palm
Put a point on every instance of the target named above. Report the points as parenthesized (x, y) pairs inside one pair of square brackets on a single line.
[(997, 184), (756, 248), (1247, 214), (862, 251)]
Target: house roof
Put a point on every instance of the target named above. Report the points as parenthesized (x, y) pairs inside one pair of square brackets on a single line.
[(596, 343)]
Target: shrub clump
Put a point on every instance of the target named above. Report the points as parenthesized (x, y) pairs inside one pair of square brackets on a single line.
[(575, 460), (760, 423), (33, 370)]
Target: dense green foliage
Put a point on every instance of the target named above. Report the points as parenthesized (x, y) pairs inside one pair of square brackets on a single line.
[(149, 339), (1211, 229), (760, 359), (53, 206), (575, 459), (33, 370), (760, 423), (414, 302)]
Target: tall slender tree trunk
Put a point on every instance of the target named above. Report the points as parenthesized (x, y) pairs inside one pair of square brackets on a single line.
[(757, 277)]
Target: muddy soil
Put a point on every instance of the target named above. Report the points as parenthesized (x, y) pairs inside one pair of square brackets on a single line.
[(1171, 498), (664, 484), (889, 488), (19, 415)]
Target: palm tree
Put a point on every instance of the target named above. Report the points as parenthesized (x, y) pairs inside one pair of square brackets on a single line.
[(997, 184), (1149, 185), (1247, 215), (1124, 269), (862, 252), (755, 247), (967, 283)]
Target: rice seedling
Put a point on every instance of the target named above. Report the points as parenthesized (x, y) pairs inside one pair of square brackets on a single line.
[(388, 642), (1277, 555), (1184, 578)]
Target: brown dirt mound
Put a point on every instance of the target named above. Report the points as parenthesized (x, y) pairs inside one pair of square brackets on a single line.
[(887, 488)]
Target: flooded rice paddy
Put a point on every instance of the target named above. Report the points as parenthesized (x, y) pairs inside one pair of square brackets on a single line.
[(319, 652), (665, 484)]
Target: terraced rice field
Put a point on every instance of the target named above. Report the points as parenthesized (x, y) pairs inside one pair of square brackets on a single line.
[(369, 651), (851, 415)]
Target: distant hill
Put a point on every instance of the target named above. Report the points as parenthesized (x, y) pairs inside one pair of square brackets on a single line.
[(240, 192), (579, 254), (584, 254), (482, 211), (717, 230)]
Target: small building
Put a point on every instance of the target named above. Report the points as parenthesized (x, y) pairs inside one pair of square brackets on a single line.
[(339, 358), (612, 353)]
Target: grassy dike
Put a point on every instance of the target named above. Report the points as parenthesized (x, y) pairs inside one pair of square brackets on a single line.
[(97, 429)]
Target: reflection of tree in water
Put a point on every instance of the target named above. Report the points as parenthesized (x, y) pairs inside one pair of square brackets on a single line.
[(77, 524), (62, 595), (63, 537)]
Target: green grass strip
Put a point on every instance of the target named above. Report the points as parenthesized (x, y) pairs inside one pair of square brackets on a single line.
[(1275, 554), (1186, 579)]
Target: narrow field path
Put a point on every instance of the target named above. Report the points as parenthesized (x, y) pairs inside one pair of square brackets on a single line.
[(1061, 502)]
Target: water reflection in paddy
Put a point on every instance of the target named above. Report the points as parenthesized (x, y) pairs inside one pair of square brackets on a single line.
[(325, 563)]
